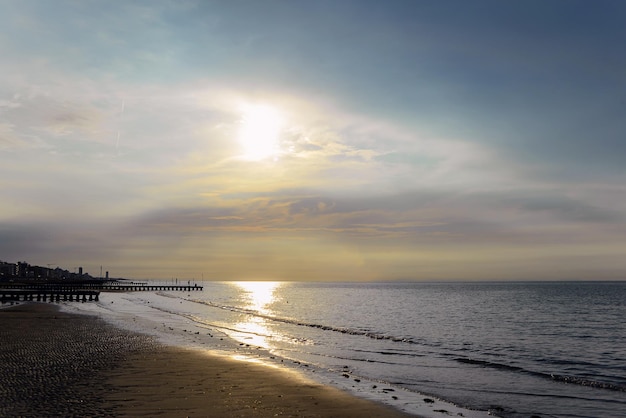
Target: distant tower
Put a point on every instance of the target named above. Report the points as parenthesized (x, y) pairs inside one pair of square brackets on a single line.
[(80, 271), (107, 275)]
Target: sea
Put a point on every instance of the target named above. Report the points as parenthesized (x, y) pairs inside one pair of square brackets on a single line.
[(472, 349)]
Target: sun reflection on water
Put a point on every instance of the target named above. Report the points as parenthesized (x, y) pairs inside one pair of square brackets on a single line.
[(258, 296)]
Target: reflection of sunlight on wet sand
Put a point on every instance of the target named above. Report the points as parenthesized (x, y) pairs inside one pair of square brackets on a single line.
[(260, 295), (254, 333)]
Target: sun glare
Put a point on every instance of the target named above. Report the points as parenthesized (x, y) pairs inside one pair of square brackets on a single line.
[(259, 131), (259, 296)]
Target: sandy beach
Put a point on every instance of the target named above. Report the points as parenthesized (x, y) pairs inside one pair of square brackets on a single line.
[(55, 363)]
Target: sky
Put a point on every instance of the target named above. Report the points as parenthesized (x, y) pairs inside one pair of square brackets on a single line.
[(322, 140)]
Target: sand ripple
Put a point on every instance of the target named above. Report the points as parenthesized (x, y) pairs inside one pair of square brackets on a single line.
[(52, 363)]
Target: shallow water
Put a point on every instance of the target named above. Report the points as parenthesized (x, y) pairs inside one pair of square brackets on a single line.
[(513, 349)]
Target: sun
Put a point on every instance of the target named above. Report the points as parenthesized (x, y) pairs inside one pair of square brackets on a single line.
[(259, 131)]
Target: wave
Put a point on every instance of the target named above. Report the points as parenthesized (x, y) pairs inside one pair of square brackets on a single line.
[(381, 336), (587, 382), (555, 377), (291, 321), (488, 364)]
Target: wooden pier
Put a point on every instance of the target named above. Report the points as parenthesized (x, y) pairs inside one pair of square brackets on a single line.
[(85, 291), (10, 295), (99, 286), (148, 287)]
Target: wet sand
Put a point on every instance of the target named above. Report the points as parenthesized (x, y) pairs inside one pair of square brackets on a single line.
[(54, 363)]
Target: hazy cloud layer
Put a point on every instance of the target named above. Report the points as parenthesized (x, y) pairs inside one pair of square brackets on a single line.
[(416, 140)]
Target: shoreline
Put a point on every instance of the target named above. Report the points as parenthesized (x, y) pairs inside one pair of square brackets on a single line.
[(174, 382), (142, 313), (55, 362)]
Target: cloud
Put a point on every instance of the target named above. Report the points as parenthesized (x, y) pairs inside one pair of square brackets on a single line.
[(408, 218), (566, 209), (416, 140), (8, 138)]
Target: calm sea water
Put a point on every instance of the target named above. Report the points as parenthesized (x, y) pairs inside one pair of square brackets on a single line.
[(514, 349)]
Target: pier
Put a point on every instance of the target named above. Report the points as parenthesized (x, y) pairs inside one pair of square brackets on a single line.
[(100, 286), (23, 282), (80, 291), (148, 287), (10, 295)]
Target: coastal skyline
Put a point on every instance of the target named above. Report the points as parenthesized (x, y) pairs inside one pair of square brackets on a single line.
[(327, 140)]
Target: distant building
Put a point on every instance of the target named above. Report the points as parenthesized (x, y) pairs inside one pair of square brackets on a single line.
[(38, 272), (23, 269), (7, 270)]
